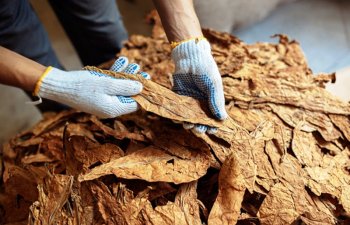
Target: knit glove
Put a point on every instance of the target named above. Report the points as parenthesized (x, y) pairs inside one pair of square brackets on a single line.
[(92, 92), (197, 75)]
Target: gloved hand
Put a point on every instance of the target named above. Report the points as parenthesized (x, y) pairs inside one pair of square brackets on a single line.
[(93, 92), (197, 75)]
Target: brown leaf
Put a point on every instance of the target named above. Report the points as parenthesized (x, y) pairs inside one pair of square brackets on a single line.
[(162, 101), (343, 123), (331, 177), (305, 148), (152, 164), (226, 208), (120, 208), (185, 209), (53, 195)]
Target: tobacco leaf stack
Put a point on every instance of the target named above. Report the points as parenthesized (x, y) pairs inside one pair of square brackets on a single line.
[(281, 158)]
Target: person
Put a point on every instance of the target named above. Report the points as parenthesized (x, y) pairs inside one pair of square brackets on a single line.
[(97, 32)]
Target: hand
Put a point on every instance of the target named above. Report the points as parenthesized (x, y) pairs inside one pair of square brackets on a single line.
[(197, 75), (93, 92)]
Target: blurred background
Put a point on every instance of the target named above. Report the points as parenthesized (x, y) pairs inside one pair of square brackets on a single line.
[(322, 27)]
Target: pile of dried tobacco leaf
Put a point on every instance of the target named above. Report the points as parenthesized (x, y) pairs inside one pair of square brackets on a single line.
[(282, 157)]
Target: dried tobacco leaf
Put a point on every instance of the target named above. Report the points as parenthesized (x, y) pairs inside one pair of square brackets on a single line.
[(53, 195), (162, 101), (260, 90), (226, 208), (118, 134), (305, 148), (286, 205), (90, 153), (331, 177), (120, 207), (152, 164), (342, 122), (285, 213), (307, 121), (185, 209)]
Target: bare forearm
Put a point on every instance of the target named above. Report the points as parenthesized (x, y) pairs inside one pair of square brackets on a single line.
[(179, 19), (18, 71)]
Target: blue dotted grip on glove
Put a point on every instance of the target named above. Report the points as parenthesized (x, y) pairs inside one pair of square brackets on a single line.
[(121, 65), (197, 75)]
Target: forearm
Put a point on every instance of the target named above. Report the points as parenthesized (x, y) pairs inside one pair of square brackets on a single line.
[(18, 71), (179, 19)]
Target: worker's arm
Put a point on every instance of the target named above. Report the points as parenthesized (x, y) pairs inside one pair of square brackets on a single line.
[(179, 19), (18, 71), (196, 73), (91, 92)]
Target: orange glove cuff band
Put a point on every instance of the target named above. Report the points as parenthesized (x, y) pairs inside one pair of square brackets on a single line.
[(174, 44), (38, 83)]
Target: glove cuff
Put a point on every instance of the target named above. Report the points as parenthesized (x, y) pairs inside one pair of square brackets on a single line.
[(174, 44), (38, 83), (192, 50), (54, 85)]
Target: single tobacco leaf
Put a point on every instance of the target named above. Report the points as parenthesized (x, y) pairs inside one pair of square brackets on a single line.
[(81, 129), (185, 209), (53, 195), (152, 164), (226, 208), (342, 122), (186, 198), (305, 148), (37, 158), (241, 143), (164, 102)]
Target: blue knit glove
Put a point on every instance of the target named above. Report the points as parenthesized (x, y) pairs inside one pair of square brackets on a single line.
[(197, 75)]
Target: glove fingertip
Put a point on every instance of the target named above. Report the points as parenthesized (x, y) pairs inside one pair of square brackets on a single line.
[(217, 106), (187, 125), (120, 64), (212, 130), (145, 75), (200, 129), (135, 87), (222, 115), (132, 68)]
